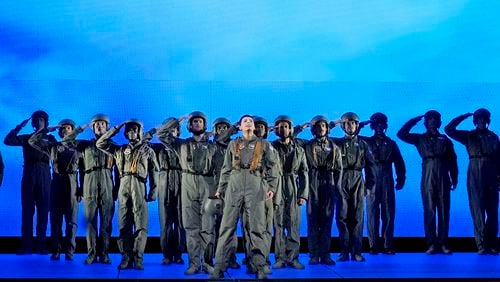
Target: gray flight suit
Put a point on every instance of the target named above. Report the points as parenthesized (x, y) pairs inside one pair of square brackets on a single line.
[(324, 160), (64, 191), (197, 184), (294, 185), (172, 234), (273, 208), (249, 171), (439, 171), (483, 175), (356, 159), (100, 190), (136, 164), (381, 202), (221, 144), (35, 189)]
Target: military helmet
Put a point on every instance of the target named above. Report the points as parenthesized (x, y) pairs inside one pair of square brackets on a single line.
[(317, 119), (221, 120), (378, 118), (283, 118), (67, 121), (432, 114), (197, 114), (213, 206), (481, 113), (261, 120), (164, 131), (349, 116), (99, 117), (131, 122), (41, 114), (171, 119)]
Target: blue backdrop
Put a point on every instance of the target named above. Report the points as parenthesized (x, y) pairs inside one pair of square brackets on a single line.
[(155, 59)]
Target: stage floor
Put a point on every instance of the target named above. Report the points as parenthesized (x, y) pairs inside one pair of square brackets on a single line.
[(459, 266)]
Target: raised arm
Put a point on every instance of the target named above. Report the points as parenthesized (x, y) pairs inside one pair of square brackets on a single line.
[(404, 133), (451, 129), (12, 138), (73, 134), (103, 143), (39, 144)]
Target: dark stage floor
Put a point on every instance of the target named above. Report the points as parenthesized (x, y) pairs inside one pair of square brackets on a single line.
[(415, 266)]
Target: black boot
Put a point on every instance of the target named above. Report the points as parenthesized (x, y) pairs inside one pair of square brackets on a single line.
[(105, 259), (90, 259), (55, 256), (138, 263), (124, 263)]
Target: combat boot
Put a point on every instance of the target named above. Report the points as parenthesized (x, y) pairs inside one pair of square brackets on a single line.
[(178, 260), (279, 264), (357, 257), (296, 264), (138, 263), (261, 275), (105, 259), (445, 250), (124, 263), (192, 269), (90, 259), (431, 250), (68, 256), (217, 274), (343, 257), (327, 260), (55, 256), (313, 261)]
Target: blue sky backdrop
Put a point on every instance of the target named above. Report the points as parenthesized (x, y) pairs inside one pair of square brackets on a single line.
[(155, 59)]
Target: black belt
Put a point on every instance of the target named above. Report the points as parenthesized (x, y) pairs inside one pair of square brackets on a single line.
[(322, 168), (353, 168), (95, 168), (256, 172), (198, 173), (171, 168), (142, 179)]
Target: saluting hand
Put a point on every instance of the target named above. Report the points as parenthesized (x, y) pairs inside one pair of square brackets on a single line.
[(52, 128), (24, 122)]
